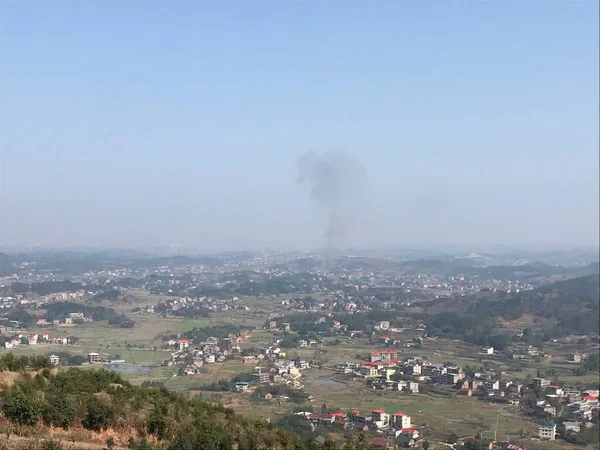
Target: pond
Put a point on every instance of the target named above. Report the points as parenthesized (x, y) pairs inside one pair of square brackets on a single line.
[(329, 383), (128, 368)]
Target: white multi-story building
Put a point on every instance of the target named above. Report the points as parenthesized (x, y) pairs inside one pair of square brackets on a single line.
[(548, 431), (400, 420)]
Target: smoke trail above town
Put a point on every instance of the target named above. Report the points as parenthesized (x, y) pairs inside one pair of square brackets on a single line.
[(337, 183)]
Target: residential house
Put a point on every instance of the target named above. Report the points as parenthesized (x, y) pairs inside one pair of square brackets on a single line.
[(413, 387), (555, 390), (572, 426), (548, 431), (412, 369), (260, 375), (400, 420), (241, 386), (370, 369), (384, 325), (491, 385), (249, 359), (570, 392), (474, 384), (388, 355), (541, 383), (412, 432), (182, 343), (382, 443), (405, 441), (323, 418), (465, 391), (380, 417), (480, 443), (94, 358)]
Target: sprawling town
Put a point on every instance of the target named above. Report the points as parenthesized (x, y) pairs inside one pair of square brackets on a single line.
[(361, 350)]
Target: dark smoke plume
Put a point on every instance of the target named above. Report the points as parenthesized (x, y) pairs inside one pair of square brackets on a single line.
[(337, 183)]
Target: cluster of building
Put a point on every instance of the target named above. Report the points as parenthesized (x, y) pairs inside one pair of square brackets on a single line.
[(35, 339), (193, 357), (208, 303), (71, 318), (582, 406), (283, 372), (396, 427), (17, 300), (524, 353)]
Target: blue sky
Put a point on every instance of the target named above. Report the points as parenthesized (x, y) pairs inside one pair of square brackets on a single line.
[(151, 123)]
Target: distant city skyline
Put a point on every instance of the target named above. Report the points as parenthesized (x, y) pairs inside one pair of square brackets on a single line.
[(137, 125)]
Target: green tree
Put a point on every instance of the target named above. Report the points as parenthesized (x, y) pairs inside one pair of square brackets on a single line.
[(99, 415), (59, 411), (157, 424), (110, 443), (329, 445), (21, 408)]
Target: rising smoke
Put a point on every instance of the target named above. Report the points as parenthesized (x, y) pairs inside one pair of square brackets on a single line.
[(337, 183)]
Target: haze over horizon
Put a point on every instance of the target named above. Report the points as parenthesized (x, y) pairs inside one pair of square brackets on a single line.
[(145, 125)]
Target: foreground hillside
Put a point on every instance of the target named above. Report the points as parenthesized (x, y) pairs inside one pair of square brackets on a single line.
[(91, 406)]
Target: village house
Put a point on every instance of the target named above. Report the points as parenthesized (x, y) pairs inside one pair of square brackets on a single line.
[(412, 369), (369, 369), (548, 431), (94, 358), (400, 420), (554, 390), (323, 418), (182, 343), (380, 418), (575, 357), (241, 386), (260, 375), (382, 443), (405, 441), (572, 426), (465, 391), (491, 385), (541, 383), (384, 325)]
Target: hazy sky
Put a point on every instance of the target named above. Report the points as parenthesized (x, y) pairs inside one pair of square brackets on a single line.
[(134, 123)]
